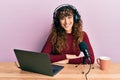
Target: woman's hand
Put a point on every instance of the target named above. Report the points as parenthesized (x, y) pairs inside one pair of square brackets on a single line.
[(69, 56)]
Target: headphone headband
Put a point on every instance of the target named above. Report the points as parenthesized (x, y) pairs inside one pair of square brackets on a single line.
[(63, 5)]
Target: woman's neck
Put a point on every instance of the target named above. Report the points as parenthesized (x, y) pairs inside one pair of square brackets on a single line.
[(69, 32)]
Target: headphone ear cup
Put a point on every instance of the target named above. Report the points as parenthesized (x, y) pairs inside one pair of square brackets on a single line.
[(76, 16), (56, 22)]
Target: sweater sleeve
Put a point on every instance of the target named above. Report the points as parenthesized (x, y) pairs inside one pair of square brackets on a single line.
[(47, 49), (90, 50)]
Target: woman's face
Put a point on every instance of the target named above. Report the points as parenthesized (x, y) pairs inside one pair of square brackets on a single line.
[(67, 23)]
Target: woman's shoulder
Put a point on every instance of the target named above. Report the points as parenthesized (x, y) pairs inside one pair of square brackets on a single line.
[(84, 33)]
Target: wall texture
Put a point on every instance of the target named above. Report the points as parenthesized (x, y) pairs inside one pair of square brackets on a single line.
[(25, 24)]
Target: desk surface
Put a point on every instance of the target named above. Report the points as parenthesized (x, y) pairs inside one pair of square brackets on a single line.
[(9, 71)]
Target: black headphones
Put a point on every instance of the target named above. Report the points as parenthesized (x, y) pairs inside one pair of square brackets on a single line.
[(76, 14)]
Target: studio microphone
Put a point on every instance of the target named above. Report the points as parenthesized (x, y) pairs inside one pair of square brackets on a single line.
[(83, 47)]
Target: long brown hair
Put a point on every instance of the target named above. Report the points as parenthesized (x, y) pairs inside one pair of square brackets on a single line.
[(58, 34)]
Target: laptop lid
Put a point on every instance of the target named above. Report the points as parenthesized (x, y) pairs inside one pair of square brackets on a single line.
[(36, 62)]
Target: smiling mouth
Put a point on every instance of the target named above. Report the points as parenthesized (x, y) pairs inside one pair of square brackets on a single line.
[(67, 25)]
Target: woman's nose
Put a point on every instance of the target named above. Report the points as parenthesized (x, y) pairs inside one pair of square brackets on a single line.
[(66, 20)]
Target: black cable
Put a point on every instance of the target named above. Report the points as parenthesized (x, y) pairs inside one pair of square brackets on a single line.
[(84, 62), (88, 70)]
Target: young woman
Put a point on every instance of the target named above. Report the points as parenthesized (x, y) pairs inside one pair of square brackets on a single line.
[(66, 34)]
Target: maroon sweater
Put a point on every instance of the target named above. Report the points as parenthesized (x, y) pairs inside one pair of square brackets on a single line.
[(47, 49)]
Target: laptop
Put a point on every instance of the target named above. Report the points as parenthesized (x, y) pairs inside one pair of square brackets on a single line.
[(36, 62)]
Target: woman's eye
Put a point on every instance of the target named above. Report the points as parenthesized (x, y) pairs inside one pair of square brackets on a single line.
[(69, 17), (62, 18)]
